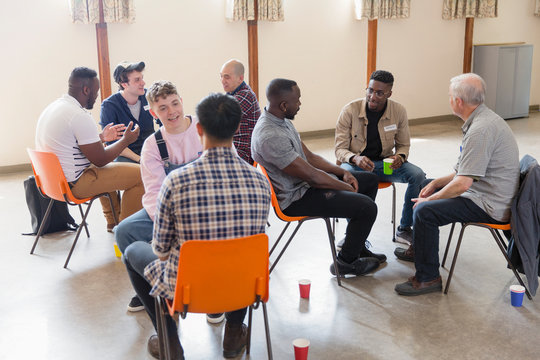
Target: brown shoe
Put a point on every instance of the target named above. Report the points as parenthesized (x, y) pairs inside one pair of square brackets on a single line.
[(405, 254), (153, 346), (413, 287), (234, 340)]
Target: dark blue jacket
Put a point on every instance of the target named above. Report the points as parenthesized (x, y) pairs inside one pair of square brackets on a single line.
[(115, 110)]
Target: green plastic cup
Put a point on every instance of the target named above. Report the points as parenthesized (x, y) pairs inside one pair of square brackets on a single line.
[(387, 170)]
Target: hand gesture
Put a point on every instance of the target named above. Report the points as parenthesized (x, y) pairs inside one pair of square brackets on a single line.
[(131, 133), (364, 163), (112, 132), (398, 161)]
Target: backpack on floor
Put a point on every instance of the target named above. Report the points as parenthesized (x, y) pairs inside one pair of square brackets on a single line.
[(59, 219)]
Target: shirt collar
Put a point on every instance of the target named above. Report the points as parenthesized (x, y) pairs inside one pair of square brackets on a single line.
[(219, 152), (238, 88), (273, 118), (471, 117), (74, 101)]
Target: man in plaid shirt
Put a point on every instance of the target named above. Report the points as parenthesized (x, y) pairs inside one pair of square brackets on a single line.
[(232, 79), (187, 209)]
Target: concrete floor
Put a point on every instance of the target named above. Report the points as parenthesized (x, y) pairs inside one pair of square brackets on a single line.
[(80, 313)]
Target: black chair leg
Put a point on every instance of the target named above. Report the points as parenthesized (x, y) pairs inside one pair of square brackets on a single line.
[(286, 245), (77, 235), (42, 226), (248, 345), (393, 212), (448, 244), (83, 223), (454, 259), (161, 331), (333, 249), (267, 332), (279, 238)]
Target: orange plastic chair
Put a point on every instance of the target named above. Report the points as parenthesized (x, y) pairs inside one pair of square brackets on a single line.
[(52, 183), (234, 276), (301, 220), (494, 229)]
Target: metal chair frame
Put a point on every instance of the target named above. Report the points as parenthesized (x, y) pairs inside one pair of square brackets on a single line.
[(494, 230)]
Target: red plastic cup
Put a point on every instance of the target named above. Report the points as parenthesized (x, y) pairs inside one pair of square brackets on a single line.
[(305, 286), (301, 347)]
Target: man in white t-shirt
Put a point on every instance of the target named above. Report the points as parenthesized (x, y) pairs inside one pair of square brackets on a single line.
[(68, 130)]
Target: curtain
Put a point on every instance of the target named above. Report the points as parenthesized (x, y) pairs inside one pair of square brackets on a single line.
[(114, 11), (537, 8), (270, 10), (382, 9), (459, 9)]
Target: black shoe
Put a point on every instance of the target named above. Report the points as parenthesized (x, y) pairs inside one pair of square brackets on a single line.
[(135, 304), (404, 235), (234, 340), (153, 346), (366, 253), (405, 254), (360, 266)]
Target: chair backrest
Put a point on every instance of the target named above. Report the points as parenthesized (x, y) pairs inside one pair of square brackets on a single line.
[(275, 203), (49, 175), (217, 276)]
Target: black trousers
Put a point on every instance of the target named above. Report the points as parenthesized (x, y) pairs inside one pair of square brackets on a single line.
[(359, 208)]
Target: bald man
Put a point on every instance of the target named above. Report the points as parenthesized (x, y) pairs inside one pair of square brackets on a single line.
[(480, 189), (232, 79), (67, 130)]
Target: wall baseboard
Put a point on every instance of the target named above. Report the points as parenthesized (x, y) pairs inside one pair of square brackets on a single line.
[(15, 168)]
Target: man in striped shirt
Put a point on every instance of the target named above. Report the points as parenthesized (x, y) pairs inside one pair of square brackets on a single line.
[(186, 211)]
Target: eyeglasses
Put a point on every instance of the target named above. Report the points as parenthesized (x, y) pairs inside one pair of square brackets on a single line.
[(377, 93)]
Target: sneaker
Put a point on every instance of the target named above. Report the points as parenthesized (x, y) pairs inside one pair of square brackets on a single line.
[(405, 254), (404, 235), (360, 266), (234, 340), (366, 253), (413, 287), (215, 318), (135, 304), (340, 243)]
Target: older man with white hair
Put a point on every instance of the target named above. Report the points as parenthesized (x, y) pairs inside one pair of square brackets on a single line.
[(481, 188)]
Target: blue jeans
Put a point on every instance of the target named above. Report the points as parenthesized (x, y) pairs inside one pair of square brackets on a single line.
[(137, 227), (407, 173), (428, 216), (125, 159)]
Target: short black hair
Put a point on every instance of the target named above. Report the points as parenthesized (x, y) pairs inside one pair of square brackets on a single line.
[(278, 87), (382, 76), (219, 115), (82, 74)]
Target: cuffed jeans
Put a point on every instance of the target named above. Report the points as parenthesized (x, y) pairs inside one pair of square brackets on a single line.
[(137, 227), (407, 173), (108, 179), (136, 257), (359, 207), (428, 216)]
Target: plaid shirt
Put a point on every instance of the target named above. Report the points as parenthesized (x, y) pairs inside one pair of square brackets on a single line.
[(216, 197), (250, 114)]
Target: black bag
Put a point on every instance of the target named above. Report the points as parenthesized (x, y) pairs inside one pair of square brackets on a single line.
[(59, 219)]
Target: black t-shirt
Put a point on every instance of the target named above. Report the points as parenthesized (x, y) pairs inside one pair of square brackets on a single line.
[(374, 146)]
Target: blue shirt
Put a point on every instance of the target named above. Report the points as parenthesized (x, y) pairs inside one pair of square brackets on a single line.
[(115, 110)]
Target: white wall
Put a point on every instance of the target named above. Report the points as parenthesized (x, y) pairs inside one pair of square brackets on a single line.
[(320, 45)]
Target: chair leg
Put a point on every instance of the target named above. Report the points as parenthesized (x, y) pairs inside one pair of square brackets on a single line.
[(449, 279), (83, 223), (248, 345), (161, 331), (279, 238), (333, 249), (286, 245), (77, 234), (503, 248), (393, 212), (448, 244), (267, 332), (42, 226), (112, 206)]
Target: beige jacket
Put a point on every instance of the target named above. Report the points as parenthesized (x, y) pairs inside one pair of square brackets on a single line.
[(351, 130)]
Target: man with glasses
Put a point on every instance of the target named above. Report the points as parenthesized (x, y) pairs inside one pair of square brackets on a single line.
[(373, 128)]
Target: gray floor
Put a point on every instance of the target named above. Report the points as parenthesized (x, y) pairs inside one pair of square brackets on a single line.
[(80, 313)]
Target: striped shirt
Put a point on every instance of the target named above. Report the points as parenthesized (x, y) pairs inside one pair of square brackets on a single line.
[(218, 196), (250, 114)]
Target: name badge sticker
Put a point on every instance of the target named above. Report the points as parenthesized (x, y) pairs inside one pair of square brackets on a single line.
[(146, 107), (390, 127)]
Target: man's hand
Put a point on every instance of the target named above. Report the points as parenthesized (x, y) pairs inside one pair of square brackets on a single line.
[(427, 190), (112, 132), (351, 180), (131, 133), (364, 163), (398, 161), (417, 201)]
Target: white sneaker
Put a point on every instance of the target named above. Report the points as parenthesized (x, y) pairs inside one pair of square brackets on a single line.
[(215, 318)]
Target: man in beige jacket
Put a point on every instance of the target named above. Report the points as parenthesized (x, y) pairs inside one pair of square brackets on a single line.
[(373, 128)]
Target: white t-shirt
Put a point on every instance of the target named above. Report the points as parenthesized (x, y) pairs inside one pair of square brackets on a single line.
[(61, 128)]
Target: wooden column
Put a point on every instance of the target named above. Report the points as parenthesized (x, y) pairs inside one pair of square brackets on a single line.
[(253, 52), (467, 51), (103, 55), (371, 48)]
